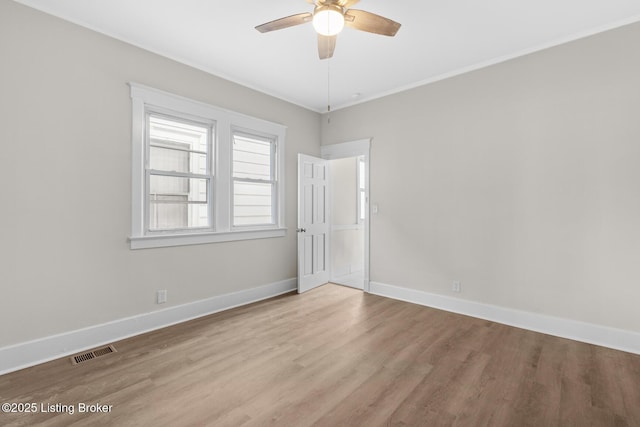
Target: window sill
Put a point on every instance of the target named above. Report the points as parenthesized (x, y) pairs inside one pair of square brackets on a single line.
[(163, 241)]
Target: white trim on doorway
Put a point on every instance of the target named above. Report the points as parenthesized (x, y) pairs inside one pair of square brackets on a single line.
[(356, 148)]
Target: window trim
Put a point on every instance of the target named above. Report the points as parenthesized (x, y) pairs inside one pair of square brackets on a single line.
[(224, 122)]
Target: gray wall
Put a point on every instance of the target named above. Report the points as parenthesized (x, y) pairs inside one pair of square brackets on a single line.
[(521, 180), (65, 182)]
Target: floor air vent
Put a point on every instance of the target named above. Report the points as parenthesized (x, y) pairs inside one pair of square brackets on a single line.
[(88, 355)]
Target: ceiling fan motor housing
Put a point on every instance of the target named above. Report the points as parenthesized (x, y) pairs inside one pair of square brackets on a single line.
[(328, 19)]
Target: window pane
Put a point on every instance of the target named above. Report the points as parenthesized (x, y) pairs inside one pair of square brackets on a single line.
[(194, 189), (252, 158), (171, 160), (252, 203), (167, 215), (170, 130), (362, 205), (361, 174), (176, 202), (177, 146)]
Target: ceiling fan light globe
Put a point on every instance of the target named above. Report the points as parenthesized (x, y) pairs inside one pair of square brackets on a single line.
[(328, 21)]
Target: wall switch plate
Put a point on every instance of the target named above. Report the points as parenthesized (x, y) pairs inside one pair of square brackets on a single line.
[(374, 208), (456, 286), (161, 297)]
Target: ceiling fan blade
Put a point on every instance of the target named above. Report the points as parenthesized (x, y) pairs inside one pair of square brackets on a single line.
[(347, 3), (289, 21), (342, 3), (326, 46), (370, 22)]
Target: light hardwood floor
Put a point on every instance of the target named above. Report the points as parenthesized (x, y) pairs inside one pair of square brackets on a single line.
[(338, 357)]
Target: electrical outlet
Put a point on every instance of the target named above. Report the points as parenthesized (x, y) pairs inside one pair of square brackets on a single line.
[(161, 297), (456, 286)]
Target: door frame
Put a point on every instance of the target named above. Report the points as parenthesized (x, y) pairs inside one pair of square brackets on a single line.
[(357, 148)]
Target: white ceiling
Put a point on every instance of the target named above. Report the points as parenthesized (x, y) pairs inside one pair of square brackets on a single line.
[(438, 38)]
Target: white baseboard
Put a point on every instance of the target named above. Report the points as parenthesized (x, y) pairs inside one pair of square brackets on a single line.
[(23, 355), (618, 339)]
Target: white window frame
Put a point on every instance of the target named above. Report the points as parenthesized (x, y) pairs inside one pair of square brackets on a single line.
[(275, 166), (146, 99), (209, 175)]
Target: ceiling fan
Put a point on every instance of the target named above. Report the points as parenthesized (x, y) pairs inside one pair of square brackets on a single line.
[(329, 17)]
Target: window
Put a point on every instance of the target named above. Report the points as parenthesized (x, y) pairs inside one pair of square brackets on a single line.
[(201, 174), (254, 180), (178, 174)]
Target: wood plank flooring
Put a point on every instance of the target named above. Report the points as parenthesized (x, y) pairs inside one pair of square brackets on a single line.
[(336, 357)]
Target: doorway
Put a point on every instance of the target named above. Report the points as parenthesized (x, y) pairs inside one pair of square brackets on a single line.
[(346, 177), (348, 213)]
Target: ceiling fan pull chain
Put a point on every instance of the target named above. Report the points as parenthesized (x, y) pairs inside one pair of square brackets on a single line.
[(328, 90)]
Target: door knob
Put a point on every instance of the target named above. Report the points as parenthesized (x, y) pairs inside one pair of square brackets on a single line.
[(301, 230)]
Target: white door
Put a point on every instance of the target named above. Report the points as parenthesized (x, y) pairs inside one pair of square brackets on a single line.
[(313, 222)]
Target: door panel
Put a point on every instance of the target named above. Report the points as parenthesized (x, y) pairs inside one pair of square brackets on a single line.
[(307, 247), (313, 225)]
